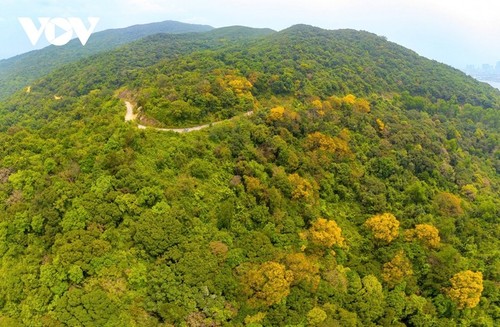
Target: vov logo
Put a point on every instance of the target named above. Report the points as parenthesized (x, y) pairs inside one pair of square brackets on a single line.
[(67, 25)]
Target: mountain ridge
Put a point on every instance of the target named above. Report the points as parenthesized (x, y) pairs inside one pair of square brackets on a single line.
[(335, 44)]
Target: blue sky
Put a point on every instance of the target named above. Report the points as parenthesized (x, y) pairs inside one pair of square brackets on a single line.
[(454, 32)]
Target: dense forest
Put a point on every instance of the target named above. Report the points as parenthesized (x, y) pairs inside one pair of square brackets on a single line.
[(364, 190)]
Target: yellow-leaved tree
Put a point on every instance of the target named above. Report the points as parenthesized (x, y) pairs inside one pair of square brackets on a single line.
[(334, 145), (240, 84), (276, 113), (317, 105), (380, 124), (325, 233), (394, 271), (362, 105), (267, 284), (320, 141), (302, 188), (254, 186), (349, 99), (385, 227), (305, 270), (425, 233), (466, 288)]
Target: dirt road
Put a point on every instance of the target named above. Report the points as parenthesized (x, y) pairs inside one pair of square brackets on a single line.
[(130, 116)]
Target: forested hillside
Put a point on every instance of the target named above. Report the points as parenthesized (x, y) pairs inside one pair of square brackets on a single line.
[(18, 72), (363, 191)]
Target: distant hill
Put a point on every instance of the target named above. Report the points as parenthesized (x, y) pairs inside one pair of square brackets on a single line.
[(18, 71)]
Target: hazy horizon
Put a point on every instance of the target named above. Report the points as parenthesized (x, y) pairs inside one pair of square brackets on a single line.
[(457, 33)]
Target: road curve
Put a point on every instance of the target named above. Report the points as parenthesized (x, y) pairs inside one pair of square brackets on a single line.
[(130, 116)]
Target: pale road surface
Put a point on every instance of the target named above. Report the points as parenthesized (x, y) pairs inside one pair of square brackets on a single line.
[(130, 116)]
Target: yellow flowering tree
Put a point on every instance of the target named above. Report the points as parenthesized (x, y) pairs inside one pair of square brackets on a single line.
[(326, 233), (267, 284), (394, 271), (427, 234), (466, 288), (385, 227)]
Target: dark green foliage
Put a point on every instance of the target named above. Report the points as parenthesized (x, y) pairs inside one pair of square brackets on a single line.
[(158, 232), (78, 308)]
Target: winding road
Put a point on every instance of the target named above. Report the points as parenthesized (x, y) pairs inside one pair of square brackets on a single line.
[(130, 116)]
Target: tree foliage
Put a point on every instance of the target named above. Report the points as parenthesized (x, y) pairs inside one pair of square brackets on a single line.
[(394, 271), (466, 288), (325, 233), (305, 269), (385, 227), (425, 233), (267, 284)]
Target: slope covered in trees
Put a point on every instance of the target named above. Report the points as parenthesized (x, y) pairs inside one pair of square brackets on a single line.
[(364, 190), (18, 72)]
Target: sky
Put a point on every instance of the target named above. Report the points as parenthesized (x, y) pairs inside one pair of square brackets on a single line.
[(455, 32)]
